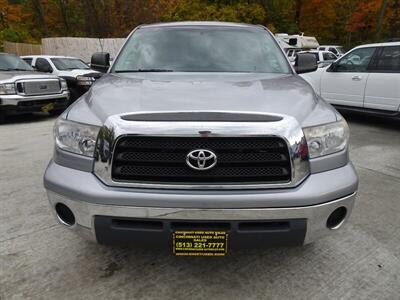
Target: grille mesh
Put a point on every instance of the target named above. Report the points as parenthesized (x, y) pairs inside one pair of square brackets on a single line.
[(163, 160), (41, 87)]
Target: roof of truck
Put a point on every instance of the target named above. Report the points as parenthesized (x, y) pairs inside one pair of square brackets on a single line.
[(379, 45), (199, 23)]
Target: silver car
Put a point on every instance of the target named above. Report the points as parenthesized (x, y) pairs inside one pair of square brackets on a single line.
[(199, 139)]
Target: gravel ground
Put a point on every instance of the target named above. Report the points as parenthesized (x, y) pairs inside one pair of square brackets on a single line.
[(40, 259)]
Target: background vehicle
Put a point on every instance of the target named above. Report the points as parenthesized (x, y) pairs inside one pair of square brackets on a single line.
[(22, 90), (78, 74), (292, 53), (324, 58), (367, 78), (194, 136), (337, 50), (299, 40)]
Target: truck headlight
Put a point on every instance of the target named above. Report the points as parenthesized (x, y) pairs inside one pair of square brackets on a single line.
[(76, 137), (327, 139), (63, 84), (7, 89), (84, 80)]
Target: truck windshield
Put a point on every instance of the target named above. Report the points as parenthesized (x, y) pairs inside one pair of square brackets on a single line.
[(69, 64), (201, 49), (9, 62)]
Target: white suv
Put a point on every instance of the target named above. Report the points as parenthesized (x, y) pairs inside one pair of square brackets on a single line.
[(366, 78)]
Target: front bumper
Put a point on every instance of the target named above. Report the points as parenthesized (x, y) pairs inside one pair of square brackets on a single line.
[(96, 205), (20, 103), (95, 221)]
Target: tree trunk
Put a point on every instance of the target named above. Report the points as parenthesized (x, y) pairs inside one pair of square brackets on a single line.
[(298, 13)]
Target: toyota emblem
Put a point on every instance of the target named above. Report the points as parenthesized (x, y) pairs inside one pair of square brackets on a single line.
[(201, 159)]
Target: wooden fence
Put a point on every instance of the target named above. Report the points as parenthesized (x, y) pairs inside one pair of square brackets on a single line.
[(22, 48), (67, 46)]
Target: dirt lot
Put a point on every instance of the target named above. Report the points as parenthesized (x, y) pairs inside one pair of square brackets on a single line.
[(40, 259)]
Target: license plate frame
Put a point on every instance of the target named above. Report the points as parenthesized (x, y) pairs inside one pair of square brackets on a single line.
[(209, 243)]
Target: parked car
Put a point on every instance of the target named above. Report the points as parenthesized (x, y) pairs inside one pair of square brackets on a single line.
[(76, 72), (22, 90), (206, 143), (367, 78), (337, 50), (324, 58)]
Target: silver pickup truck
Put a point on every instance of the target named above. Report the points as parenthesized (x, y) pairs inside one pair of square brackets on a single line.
[(201, 138), (22, 90)]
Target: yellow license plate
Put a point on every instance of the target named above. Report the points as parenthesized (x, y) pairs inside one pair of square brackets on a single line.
[(48, 107), (200, 243)]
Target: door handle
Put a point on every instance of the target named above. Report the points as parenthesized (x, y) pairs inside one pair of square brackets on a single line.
[(356, 78)]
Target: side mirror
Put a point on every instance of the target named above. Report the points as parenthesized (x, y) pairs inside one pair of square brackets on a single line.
[(305, 63), (100, 61), (44, 68)]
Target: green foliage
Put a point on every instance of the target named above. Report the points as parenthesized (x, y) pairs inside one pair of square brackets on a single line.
[(346, 22)]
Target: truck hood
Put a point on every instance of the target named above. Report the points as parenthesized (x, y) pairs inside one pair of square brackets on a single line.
[(162, 92), (11, 76), (76, 72)]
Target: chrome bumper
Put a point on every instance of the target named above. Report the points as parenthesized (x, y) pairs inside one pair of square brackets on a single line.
[(15, 99), (316, 215)]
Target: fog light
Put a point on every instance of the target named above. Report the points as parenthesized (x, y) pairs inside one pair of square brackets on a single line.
[(65, 215), (336, 218)]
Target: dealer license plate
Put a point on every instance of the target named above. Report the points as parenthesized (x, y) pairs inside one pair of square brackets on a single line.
[(200, 243), (48, 107)]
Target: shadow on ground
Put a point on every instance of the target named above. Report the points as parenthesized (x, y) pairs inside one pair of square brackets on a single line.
[(28, 118)]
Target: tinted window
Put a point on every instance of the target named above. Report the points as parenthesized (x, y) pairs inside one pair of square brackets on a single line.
[(9, 62), (355, 61), (28, 61), (333, 50), (389, 60), (329, 56), (202, 49)]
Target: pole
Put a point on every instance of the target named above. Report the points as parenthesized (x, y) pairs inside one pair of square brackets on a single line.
[(380, 20)]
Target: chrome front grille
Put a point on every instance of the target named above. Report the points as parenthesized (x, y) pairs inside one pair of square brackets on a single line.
[(39, 87), (152, 154)]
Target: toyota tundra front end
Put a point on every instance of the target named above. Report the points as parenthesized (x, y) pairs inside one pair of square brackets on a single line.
[(201, 138)]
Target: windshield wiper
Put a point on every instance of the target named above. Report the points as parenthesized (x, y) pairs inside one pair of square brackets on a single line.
[(144, 70)]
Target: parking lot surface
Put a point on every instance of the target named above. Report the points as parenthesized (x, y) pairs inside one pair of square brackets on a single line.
[(40, 259)]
